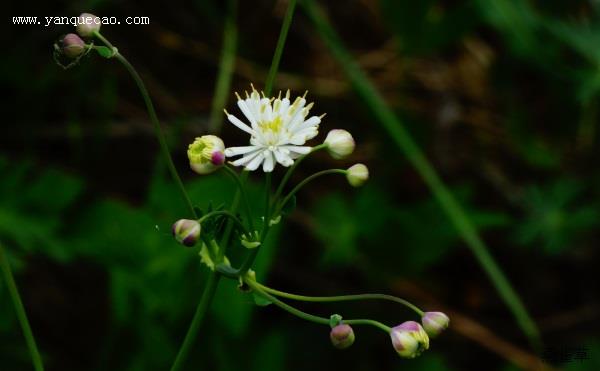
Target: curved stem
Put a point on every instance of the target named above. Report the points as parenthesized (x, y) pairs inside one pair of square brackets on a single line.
[(247, 264), (228, 214), (242, 191), (398, 133), (20, 311), (287, 21), (303, 183), (207, 296), (154, 118), (323, 299), (307, 316), (291, 170)]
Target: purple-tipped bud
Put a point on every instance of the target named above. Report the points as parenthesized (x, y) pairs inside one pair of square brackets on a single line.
[(88, 24), (409, 339), (342, 336), (72, 45), (186, 232), (217, 158), (435, 323)]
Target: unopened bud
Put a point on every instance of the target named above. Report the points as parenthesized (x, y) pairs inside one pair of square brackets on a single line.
[(88, 24), (357, 175), (186, 231), (339, 143), (206, 154), (72, 45), (435, 323), (342, 336), (409, 339)]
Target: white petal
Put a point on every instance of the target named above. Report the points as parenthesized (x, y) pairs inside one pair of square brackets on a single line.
[(256, 161), (246, 112), (234, 151), (234, 120), (283, 158), (246, 159), (302, 150), (269, 163), (311, 122)]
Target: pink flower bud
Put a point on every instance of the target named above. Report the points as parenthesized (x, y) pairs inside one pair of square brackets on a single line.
[(186, 231), (435, 323), (409, 339), (72, 45), (342, 336)]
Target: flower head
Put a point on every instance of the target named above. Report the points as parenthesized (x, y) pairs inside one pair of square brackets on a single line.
[(342, 336), (278, 130), (435, 323), (88, 24), (409, 339), (72, 45), (186, 231), (357, 175), (339, 143), (206, 154)]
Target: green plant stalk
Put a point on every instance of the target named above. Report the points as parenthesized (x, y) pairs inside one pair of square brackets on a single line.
[(291, 170), (304, 182), (287, 21), (226, 68), (20, 311), (392, 125), (310, 317), (229, 215), (164, 147), (328, 299), (205, 301)]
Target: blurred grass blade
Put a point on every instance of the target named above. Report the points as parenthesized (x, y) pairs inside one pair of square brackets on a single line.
[(226, 67), (20, 310), (394, 127), (287, 21)]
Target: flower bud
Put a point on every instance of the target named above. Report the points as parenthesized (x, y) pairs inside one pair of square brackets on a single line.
[(88, 24), (186, 231), (72, 45), (339, 143), (342, 336), (357, 175), (409, 339), (435, 323), (206, 154)]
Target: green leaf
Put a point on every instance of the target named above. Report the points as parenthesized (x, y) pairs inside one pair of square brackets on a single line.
[(260, 300)]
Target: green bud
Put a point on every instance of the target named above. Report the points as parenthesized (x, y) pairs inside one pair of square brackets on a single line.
[(357, 175)]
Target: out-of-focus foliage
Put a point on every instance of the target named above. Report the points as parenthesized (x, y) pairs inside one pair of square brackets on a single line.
[(502, 95)]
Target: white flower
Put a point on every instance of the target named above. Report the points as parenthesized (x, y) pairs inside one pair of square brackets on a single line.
[(339, 143), (278, 130)]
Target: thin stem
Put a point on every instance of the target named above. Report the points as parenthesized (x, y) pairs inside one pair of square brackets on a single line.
[(226, 68), (394, 127), (157, 127), (291, 170), (228, 214), (307, 316), (20, 311), (304, 182), (190, 337), (243, 194), (323, 299), (287, 21)]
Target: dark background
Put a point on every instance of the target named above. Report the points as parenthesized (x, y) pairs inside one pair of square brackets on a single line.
[(501, 95)]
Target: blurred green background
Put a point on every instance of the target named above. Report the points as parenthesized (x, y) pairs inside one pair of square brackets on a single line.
[(502, 95)]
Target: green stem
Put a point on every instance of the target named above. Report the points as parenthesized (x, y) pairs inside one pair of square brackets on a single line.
[(154, 118), (287, 21), (307, 316), (324, 299), (291, 170), (304, 182), (228, 214), (20, 311), (225, 69), (243, 194), (190, 337), (394, 127)]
